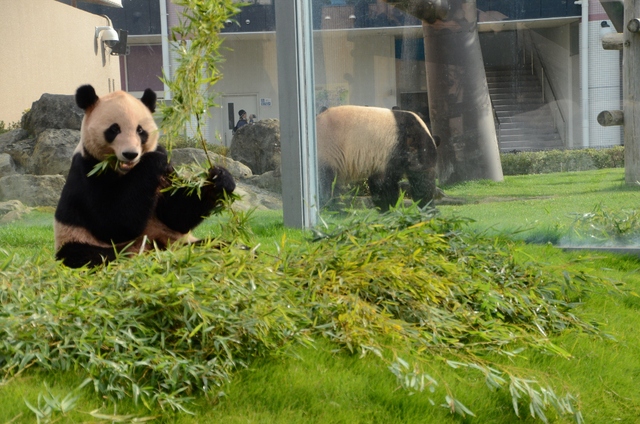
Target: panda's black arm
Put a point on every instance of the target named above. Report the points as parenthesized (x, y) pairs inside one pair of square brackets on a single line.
[(113, 207), (182, 211)]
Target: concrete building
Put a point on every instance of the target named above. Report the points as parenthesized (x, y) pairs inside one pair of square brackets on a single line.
[(49, 47), (367, 53)]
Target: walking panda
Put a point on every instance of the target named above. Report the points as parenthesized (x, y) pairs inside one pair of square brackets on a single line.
[(355, 143), (111, 211)]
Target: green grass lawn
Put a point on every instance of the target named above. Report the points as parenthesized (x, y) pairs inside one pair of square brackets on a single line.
[(324, 384), (540, 207)]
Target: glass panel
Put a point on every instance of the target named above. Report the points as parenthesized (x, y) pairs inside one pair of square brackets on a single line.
[(546, 76), (144, 68), (522, 73)]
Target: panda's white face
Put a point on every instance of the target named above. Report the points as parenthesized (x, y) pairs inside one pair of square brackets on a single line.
[(121, 125)]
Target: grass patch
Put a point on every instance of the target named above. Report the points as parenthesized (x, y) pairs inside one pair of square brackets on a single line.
[(382, 318), (540, 208)]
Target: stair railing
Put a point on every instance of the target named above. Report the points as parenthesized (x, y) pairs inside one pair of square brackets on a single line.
[(496, 119), (546, 85)]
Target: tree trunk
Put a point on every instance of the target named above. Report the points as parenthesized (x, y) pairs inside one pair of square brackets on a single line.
[(631, 95), (459, 103), (461, 111)]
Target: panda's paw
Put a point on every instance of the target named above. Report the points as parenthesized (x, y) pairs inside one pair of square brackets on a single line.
[(222, 179), (154, 162)]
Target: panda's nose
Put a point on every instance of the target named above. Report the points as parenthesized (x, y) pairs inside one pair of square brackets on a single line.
[(130, 155)]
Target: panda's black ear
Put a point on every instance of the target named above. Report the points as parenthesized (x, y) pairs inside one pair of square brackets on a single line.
[(149, 99), (86, 97)]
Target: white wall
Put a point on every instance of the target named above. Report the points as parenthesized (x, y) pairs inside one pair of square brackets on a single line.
[(47, 47), (554, 47), (360, 63), (563, 66), (250, 68)]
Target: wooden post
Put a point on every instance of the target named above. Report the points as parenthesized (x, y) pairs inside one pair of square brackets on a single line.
[(631, 94), (459, 102), (609, 118), (612, 41)]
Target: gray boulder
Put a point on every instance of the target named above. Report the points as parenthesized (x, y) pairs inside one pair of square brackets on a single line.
[(12, 211), (7, 167), (53, 151), (32, 190), (270, 180), (52, 111), (251, 196), (254, 198), (258, 146), (192, 155), (19, 146)]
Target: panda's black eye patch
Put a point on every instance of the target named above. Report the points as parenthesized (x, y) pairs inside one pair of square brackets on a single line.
[(144, 136), (111, 133)]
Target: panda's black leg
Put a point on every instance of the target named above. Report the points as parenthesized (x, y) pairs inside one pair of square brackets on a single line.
[(384, 190), (76, 255)]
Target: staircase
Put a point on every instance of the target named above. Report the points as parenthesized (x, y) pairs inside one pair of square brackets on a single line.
[(523, 120)]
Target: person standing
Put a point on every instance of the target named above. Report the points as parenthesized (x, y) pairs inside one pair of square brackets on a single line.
[(242, 121)]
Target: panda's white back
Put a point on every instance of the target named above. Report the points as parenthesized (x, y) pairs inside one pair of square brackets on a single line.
[(356, 140)]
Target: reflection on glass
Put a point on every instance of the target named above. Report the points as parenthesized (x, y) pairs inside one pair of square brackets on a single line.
[(543, 67)]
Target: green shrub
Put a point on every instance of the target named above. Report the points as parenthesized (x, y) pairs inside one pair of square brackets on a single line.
[(523, 163), (8, 127)]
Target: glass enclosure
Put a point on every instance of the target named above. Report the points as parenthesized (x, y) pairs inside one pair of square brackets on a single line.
[(529, 76)]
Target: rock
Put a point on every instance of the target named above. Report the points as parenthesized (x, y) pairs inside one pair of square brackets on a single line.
[(32, 190), (52, 111), (252, 197), (270, 180), (193, 155), (53, 151), (237, 169), (258, 146), (19, 146), (7, 167), (12, 210)]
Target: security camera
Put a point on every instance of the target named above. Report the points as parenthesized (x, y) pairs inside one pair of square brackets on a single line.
[(121, 48), (109, 35), (110, 43)]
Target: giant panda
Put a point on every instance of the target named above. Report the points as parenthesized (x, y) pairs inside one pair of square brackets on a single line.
[(124, 207), (355, 143)]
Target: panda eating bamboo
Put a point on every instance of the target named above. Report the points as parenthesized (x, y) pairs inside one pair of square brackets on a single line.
[(124, 208)]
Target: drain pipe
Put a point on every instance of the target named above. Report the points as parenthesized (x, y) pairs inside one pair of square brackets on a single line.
[(584, 70), (164, 31)]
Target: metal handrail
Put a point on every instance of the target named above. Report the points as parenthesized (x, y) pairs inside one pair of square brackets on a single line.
[(535, 54), (495, 118)]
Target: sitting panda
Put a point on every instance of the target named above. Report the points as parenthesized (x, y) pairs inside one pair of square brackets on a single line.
[(355, 143), (122, 207)]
